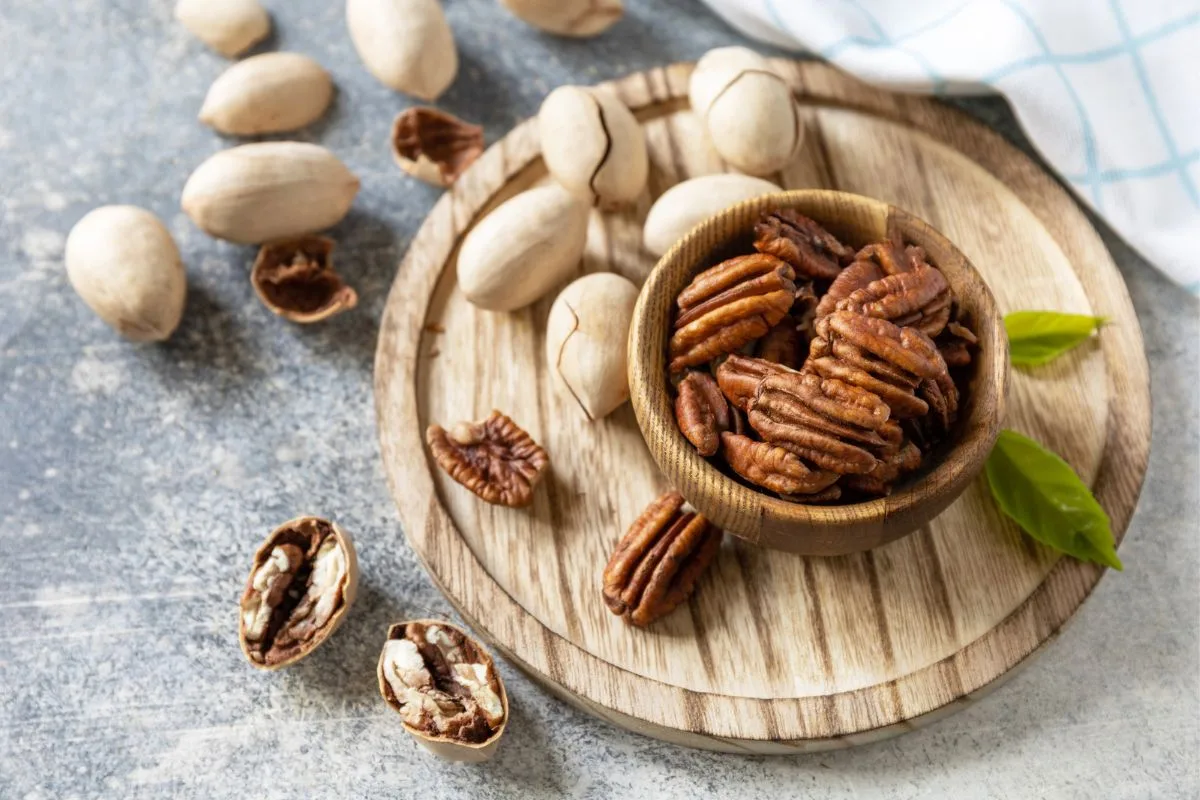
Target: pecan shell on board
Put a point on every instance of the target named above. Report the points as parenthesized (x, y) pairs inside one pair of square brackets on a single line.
[(811, 250), (658, 561), (702, 412), (728, 306), (494, 458)]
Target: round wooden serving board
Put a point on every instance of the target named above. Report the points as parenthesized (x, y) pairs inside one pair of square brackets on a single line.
[(774, 652)]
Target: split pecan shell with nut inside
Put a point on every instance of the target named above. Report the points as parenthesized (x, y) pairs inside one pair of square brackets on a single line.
[(702, 412), (494, 458), (658, 561), (810, 249), (728, 306)]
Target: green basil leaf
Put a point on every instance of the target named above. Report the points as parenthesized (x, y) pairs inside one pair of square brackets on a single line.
[(1035, 337), (1047, 499)]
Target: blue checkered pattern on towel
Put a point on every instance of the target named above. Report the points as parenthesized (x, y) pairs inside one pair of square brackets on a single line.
[(1107, 90)]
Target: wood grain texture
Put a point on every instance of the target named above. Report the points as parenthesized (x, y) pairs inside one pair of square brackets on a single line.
[(764, 519), (775, 652)]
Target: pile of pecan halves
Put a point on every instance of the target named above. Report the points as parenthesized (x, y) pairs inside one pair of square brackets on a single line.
[(815, 372)]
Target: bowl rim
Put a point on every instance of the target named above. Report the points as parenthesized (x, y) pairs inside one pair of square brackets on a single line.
[(965, 455)]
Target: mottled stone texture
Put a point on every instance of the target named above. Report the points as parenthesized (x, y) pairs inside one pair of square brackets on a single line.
[(136, 481)]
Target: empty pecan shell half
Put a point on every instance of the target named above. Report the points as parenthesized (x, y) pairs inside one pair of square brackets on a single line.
[(296, 280), (728, 306), (702, 412), (494, 458), (773, 467), (811, 250), (739, 376), (658, 561), (434, 146)]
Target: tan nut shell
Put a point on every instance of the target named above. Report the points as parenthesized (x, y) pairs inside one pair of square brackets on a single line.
[(523, 248), (578, 18), (748, 110), (448, 749), (259, 192), (593, 145), (348, 593), (269, 93), (587, 334), (124, 264), (230, 27), (406, 44), (687, 204)]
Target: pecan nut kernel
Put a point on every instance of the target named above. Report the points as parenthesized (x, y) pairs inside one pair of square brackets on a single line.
[(739, 376), (304, 579), (702, 412), (918, 298), (658, 561), (810, 249), (434, 146), (494, 458), (296, 280), (772, 467), (445, 687), (728, 306)]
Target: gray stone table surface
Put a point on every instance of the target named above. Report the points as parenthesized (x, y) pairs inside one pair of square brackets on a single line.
[(135, 481)]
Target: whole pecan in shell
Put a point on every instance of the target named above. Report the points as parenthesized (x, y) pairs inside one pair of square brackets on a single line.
[(494, 458), (702, 412), (658, 561), (739, 376), (813, 251), (728, 306), (773, 467)]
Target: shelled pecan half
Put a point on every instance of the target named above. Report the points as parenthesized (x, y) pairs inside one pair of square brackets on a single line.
[(658, 561), (919, 298), (739, 376), (781, 344), (955, 344), (813, 251), (773, 467), (728, 306), (494, 458), (891, 466), (702, 412)]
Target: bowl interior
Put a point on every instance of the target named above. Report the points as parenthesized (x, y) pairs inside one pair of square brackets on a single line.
[(764, 518)]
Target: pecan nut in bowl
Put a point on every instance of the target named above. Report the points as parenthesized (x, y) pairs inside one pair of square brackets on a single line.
[(702, 412), (739, 376), (658, 561), (728, 306), (811, 250), (773, 467), (493, 457)]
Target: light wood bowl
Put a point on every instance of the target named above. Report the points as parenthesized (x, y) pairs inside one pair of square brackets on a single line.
[(765, 519)]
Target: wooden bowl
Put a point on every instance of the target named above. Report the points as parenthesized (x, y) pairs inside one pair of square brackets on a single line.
[(762, 518)]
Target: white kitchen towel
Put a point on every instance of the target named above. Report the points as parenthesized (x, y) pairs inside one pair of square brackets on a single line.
[(1107, 90)]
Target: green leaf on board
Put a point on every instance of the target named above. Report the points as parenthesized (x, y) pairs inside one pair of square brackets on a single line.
[(1035, 337), (1047, 499)]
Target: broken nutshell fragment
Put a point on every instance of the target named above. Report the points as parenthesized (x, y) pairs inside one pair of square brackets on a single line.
[(658, 561), (728, 306), (303, 581), (810, 249), (434, 146), (296, 280), (445, 687), (493, 457), (702, 412)]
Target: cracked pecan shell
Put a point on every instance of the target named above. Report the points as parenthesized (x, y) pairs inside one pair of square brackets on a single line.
[(773, 467), (811, 250), (702, 412), (659, 559), (739, 376), (728, 306), (494, 458)]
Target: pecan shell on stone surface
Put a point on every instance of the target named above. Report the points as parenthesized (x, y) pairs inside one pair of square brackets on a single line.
[(811, 250), (658, 561), (773, 467), (739, 376), (702, 412), (296, 280), (494, 458), (728, 306), (434, 146)]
